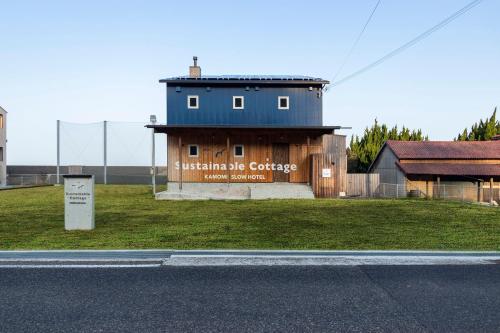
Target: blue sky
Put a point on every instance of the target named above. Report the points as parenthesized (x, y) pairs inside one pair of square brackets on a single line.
[(93, 60)]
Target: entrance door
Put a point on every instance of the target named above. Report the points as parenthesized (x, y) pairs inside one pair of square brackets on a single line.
[(280, 156)]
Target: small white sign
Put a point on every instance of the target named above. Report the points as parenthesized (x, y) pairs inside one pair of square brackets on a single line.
[(79, 202), (326, 173)]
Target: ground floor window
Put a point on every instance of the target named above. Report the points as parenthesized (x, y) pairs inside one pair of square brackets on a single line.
[(239, 151), (193, 150)]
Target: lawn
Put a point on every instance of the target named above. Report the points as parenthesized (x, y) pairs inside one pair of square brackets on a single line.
[(127, 217)]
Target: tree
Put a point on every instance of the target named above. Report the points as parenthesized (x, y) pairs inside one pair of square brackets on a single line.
[(482, 131), (362, 151)]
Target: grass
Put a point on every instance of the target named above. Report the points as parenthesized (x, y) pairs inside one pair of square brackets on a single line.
[(127, 217)]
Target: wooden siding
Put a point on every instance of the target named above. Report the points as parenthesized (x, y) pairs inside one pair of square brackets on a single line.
[(212, 147), (281, 156), (335, 145), (323, 187), (362, 184)]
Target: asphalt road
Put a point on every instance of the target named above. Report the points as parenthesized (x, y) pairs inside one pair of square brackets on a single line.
[(251, 299)]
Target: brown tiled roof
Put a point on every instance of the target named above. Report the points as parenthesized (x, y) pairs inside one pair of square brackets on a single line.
[(472, 150), (450, 169)]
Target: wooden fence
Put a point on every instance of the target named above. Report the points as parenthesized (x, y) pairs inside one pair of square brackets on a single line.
[(323, 175), (335, 146), (362, 184)]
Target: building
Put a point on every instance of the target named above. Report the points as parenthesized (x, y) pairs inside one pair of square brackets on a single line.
[(3, 147), (462, 169), (246, 131)]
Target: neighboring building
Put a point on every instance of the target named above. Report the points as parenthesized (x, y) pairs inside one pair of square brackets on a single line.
[(246, 129), (429, 165), (3, 147)]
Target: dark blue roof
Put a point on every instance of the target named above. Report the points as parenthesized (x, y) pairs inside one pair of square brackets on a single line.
[(302, 79)]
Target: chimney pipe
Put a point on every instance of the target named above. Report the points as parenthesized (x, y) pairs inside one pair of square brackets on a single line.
[(195, 70)]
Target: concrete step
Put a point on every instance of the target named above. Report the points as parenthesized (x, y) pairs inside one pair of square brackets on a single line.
[(281, 191), (187, 195), (236, 191)]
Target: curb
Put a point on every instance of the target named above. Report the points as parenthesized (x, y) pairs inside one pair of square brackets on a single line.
[(157, 258)]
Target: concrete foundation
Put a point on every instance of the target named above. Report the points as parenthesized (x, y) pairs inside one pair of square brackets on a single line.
[(235, 191)]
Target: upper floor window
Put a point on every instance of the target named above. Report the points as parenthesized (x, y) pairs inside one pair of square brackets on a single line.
[(1, 120), (239, 151), (193, 150), (238, 102), (283, 102), (193, 102)]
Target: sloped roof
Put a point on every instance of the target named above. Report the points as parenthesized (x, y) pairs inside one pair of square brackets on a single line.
[(470, 150), (450, 169)]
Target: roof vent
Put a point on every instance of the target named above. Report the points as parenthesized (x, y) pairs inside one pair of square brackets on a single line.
[(195, 70)]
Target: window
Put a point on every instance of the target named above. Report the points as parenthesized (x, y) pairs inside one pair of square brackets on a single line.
[(239, 151), (193, 150), (1, 154), (1, 120), (192, 102), (283, 102), (238, 102)]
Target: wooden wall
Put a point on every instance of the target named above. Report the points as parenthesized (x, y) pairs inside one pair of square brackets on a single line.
[(323, 187), (329, 152), (257, 148), (335, 145), (362, 184)]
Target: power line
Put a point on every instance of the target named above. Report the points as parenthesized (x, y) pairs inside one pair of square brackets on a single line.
[(410, 43), (353, 46)]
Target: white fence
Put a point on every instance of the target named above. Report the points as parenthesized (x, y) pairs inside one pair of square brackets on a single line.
[(109, 144)]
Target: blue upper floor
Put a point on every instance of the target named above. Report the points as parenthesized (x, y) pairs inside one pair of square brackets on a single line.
[(245, 100)]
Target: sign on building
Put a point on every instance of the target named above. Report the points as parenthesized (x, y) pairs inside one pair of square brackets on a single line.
[(326, 173), (79, 202)]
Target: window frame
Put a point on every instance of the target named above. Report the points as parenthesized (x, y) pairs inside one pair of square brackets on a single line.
[(242, 107), (287, 98), (197, 97), (242, 150), (197, 150)]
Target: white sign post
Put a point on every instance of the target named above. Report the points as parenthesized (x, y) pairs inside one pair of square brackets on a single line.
[(79, 202)]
